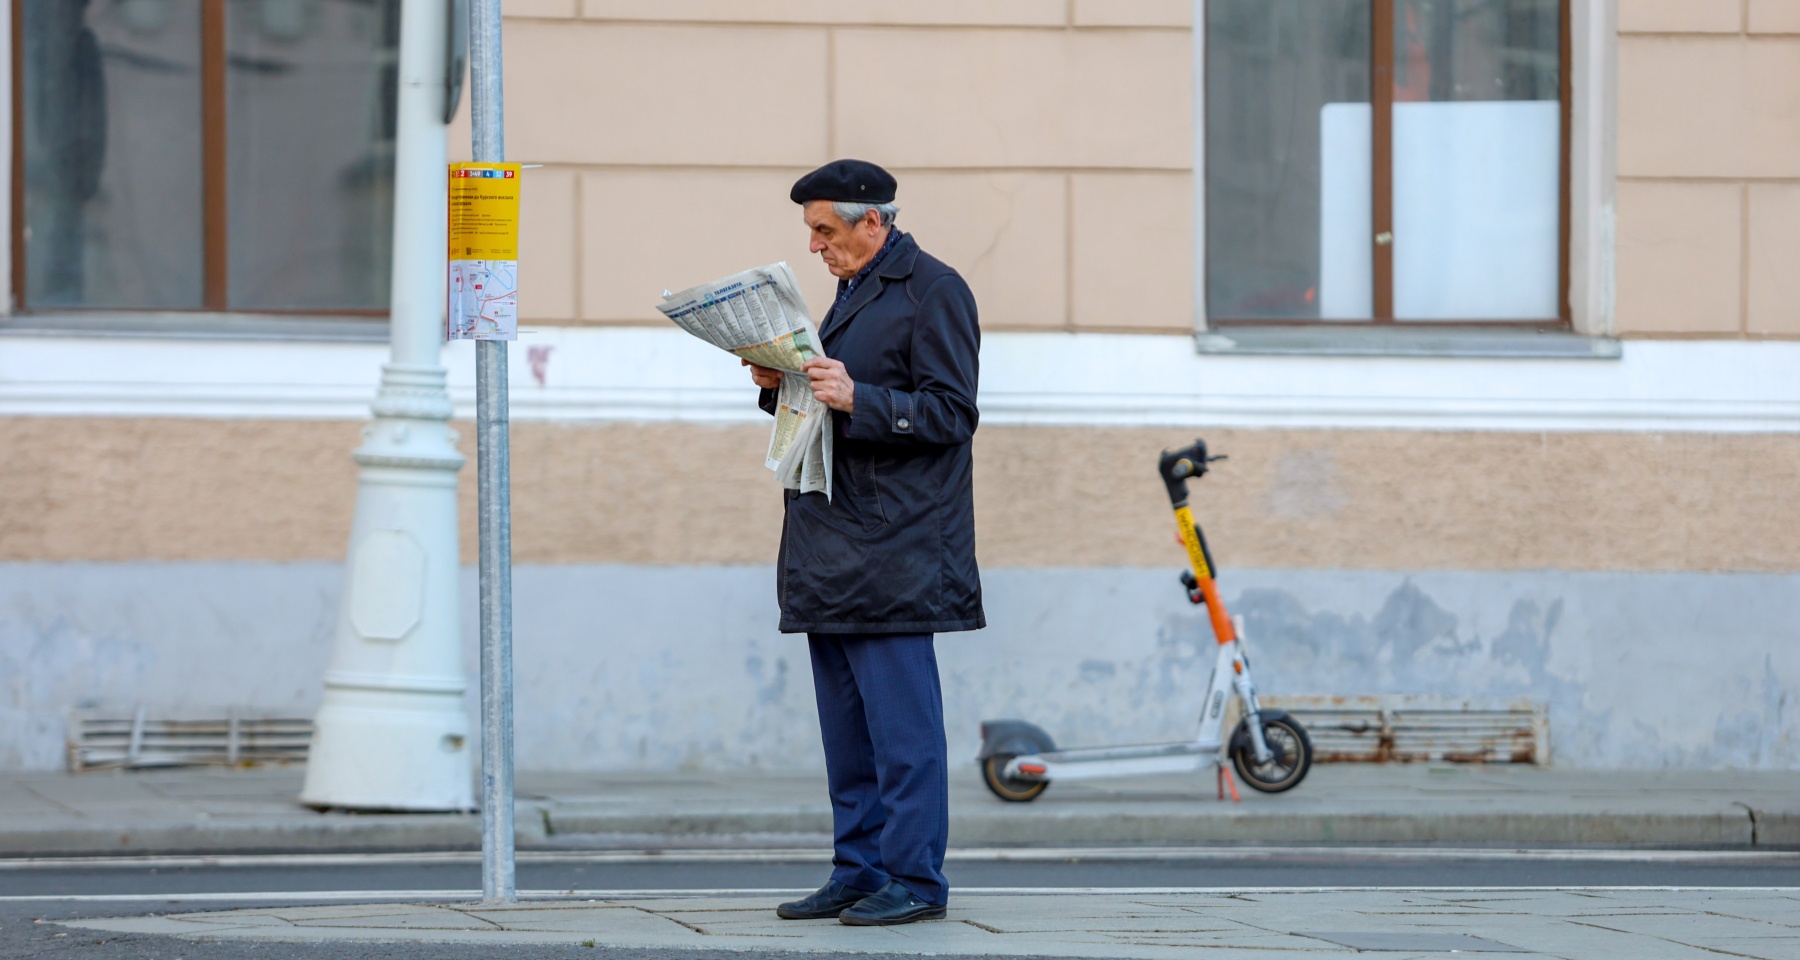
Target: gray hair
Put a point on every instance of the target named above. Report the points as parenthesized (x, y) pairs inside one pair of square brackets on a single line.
[(852, 212)]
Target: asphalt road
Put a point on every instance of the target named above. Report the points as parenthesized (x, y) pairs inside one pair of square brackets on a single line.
[(122, 887), (751, 869)]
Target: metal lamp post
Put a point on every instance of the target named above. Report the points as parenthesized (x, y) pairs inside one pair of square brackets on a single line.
[(494, 496), (391, 733)]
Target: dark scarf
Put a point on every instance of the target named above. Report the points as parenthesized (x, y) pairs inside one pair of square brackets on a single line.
[(847, 287)]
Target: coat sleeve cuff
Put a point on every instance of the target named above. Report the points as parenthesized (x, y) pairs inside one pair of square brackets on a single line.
[(881, 414)]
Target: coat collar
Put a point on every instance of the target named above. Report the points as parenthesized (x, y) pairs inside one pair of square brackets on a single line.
[(898, 265), (900, 260)]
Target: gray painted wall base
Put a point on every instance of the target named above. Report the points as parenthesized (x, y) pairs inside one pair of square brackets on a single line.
[(648, 668)]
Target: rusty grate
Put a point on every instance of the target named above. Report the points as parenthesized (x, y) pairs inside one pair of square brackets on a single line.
[(103, 740), (1406, 729)]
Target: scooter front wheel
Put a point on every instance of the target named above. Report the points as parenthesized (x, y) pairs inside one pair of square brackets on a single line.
[(993, 771), (1292, 750)]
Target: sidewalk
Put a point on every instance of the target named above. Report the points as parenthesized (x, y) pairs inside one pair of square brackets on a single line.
[(248, 811), (1595, 924)]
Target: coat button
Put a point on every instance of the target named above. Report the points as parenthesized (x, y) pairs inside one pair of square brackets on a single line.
[(903, 423)]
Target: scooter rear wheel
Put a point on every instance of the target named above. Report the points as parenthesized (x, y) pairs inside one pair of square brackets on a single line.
[(1293, 756), (1006, 788)]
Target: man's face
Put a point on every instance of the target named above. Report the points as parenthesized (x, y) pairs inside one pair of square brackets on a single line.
[(845, 248)]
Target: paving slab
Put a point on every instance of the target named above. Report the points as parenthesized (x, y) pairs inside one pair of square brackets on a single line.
[(1659, 924), (257, 811)]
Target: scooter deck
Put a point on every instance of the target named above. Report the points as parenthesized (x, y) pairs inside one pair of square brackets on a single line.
[(1138, 752), (1100, 762)]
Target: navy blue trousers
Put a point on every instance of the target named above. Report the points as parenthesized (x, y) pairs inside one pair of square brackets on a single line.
[(881, 713)]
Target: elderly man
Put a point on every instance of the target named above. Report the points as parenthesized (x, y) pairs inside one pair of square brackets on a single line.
[(871, 574)]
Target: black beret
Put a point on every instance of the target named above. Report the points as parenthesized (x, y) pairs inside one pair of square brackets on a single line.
[(857, 181)]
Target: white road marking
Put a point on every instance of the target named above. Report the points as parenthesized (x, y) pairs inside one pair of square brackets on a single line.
[(464, 896), (965, 855)]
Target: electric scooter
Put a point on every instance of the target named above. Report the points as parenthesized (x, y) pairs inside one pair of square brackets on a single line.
[(1269, 749)]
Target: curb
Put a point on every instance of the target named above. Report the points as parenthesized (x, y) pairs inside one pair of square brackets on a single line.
[(1699, 829), (536, 826), (812, 819), (330, 833), (1011, 826)]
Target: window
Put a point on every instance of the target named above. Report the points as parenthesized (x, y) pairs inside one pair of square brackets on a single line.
[(204, 154), (1387, 160)]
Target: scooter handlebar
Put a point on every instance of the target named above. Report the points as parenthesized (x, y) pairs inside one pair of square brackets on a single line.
[(1179, 466)]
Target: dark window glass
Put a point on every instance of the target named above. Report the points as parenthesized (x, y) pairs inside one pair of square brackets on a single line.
[(1272, 68), (1448, 50), (1474, 164), (113, 167), (310, 126)]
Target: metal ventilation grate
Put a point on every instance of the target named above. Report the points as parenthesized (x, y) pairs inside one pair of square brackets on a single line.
[(1404, 729), (99, 740)]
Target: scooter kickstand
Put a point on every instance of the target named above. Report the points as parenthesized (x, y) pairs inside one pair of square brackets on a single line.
[(1225, 780)]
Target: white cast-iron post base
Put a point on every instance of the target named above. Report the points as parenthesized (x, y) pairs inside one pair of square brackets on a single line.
[(392, 733)]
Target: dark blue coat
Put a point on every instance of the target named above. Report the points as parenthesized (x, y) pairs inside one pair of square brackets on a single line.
[(893, 551)]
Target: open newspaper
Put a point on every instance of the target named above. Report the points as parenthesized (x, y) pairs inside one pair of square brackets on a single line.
[(760, 316)]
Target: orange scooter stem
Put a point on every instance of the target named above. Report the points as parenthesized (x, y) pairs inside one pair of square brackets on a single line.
[(1177, 468)]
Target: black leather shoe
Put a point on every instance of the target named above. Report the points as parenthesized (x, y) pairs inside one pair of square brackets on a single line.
[(890, 905), (826, 902)]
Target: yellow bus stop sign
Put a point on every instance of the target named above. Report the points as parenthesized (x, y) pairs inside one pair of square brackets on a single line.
[(483, 251)]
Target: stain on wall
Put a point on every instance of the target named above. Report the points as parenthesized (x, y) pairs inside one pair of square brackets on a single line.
[(618, 668), (1644, 670)]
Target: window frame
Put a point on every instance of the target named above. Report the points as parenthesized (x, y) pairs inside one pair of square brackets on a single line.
[(215, 219), (1569, 286)]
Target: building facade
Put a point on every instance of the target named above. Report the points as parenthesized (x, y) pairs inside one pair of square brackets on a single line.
[(1492, 306)]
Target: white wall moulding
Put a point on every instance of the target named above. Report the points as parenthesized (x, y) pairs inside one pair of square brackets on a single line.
[(608, 374)]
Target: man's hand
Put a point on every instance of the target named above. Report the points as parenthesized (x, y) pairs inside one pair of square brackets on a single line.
[(767, 378), (831, 383)]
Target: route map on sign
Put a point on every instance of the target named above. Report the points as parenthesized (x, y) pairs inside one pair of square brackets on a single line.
[(483, 302)]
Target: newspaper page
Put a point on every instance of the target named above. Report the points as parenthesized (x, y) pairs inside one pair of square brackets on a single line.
[(760, 316)]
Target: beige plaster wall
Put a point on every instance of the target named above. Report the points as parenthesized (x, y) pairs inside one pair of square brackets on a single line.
[(1045, 148), (1709, 167), (1041, 145), (124, 490)]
